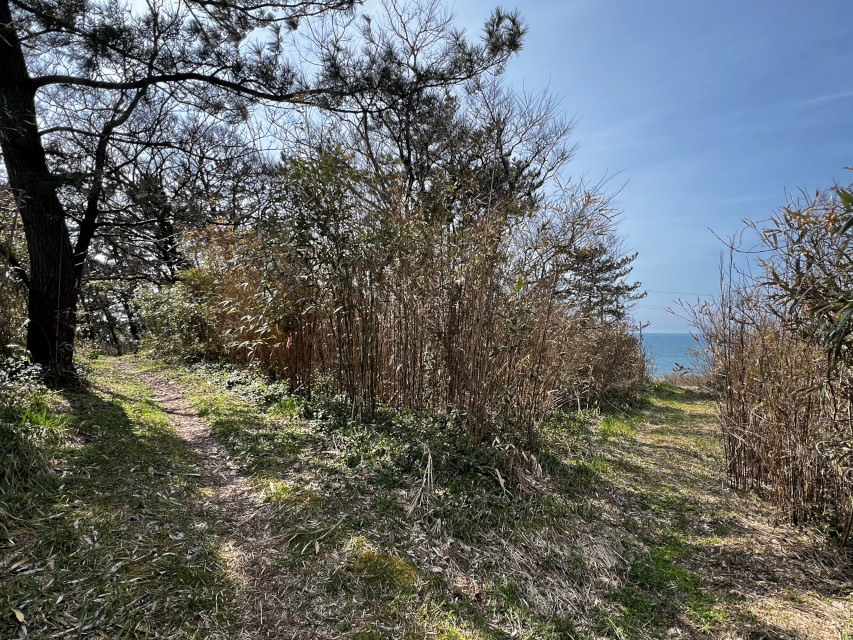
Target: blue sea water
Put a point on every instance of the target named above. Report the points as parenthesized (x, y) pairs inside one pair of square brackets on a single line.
[(667, 350)]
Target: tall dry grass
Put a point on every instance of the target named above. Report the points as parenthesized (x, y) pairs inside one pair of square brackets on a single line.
[(786, 406), (469, 318)]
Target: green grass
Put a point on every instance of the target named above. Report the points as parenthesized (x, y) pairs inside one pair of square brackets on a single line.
[(380, 569), (339, 486), (620, 426), (122, 547), (397, 528), (30, 432), (661, 583)]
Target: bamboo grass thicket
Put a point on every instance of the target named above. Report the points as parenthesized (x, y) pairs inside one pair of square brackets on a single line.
[(785, 385), (470, 319), (430, 256)]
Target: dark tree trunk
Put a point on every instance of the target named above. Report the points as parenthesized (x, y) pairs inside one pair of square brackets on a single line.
[(53, 294)]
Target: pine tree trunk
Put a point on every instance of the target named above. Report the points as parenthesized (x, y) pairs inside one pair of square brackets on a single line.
[(53, 294)]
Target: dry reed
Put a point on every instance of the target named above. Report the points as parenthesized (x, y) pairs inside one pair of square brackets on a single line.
[(391, 310)]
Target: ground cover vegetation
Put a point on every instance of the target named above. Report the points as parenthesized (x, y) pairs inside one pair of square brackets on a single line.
[(102, 534), (779, 347), (307, 523)]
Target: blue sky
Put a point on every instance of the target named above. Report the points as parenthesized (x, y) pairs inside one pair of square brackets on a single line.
[(711, 111)]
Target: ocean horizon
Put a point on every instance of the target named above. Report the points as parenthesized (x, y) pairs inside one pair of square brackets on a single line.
[(670, 351)]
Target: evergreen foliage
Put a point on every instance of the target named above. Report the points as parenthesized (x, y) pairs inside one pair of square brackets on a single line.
[(97, 97)]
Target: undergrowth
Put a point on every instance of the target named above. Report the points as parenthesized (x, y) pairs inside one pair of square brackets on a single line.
[(609, 526), (113, 542), (425, 533), (30, 430)]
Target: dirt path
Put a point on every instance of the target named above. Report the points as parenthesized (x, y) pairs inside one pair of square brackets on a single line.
[(235, 503)]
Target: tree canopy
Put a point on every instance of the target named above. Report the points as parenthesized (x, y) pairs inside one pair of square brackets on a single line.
[(96, 95)]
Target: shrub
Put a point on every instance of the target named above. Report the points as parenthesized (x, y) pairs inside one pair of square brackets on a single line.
[(781, 363), (461, 276), (13, 289), (500, 350), (181, 321)]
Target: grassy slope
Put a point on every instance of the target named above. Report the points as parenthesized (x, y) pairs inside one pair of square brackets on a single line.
[(613, 527)]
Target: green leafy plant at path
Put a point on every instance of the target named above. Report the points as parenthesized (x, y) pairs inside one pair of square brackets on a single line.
[(30, 430), (120, 545)]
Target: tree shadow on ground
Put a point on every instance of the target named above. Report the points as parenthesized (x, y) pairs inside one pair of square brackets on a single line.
[(123, 547)]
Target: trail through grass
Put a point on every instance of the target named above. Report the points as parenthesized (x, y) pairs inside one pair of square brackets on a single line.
[(615, 526), (116, 543)]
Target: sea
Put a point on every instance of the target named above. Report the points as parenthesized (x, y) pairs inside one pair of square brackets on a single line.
[(669, 351)]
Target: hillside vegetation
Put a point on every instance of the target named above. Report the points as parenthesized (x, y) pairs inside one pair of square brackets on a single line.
[(307, 330), (779, 345)]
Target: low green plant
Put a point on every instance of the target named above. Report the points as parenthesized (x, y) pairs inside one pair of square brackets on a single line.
[(378, 568), (27, 433), (29, 430), (180, 321), (122, 545)]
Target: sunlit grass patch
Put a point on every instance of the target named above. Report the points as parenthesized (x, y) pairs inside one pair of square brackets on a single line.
[(288, 407), (665, 582), (288, 496), (688, 401), (620, 427), (32, 428), (378, 568)]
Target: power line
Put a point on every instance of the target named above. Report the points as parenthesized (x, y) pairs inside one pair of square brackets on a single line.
[(681, 293)]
